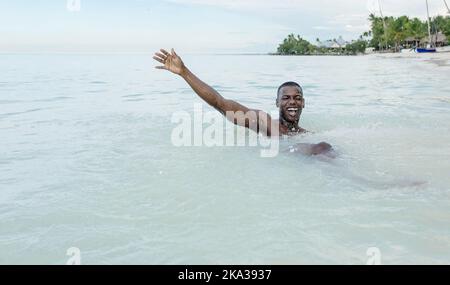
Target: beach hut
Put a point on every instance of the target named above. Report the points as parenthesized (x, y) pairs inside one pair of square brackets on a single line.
[(325, 44), (341, 42), (438, 39), (411, 42)]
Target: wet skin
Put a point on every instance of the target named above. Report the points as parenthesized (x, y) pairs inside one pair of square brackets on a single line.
[(290, 102), (323, 149)]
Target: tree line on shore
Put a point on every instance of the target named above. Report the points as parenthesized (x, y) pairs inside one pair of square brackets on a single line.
[(391, 33), (388, 33)]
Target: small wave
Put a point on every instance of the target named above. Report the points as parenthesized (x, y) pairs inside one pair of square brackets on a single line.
[(185, 91), (97, 91), (223, 88), (60, 98), (98, 82), (134, 100), (15, 83), (442, 99), (20, 113), (133, 95)]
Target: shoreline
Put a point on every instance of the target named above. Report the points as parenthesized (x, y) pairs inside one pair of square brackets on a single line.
[(324, 54), (442, 50), (441, 59)]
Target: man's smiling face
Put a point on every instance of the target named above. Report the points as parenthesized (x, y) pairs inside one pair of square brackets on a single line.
[(290, 101)]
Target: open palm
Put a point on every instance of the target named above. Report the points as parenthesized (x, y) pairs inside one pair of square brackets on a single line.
[(171, 61)]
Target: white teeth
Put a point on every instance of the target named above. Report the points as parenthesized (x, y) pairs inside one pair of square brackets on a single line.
[(292, 109)]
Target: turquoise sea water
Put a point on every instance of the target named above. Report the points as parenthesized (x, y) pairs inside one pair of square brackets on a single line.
[(87, 161)]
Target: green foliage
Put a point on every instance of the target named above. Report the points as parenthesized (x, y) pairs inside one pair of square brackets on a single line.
[(441, 24), (295, 45), (356, 47), (390, 32)]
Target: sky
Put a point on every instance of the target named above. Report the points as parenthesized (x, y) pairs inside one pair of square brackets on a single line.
[(190, 26)]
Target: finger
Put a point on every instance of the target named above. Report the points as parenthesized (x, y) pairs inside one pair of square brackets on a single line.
[(160, 55), (173, 52), (164, 51), (158, 59), (160, 67)]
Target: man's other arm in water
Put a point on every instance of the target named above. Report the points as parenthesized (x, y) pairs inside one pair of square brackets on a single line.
[(239, 114), (322, 148), (325, 152)]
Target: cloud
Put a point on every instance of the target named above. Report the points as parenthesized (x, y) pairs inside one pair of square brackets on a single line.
[(245, 4), (349, 8), (357, 23), (209, 25), (323, 28), (324, 16), (407, 5)]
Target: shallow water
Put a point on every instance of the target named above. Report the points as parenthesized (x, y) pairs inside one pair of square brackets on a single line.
[(86, 161)]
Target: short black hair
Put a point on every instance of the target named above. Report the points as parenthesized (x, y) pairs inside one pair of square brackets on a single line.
[(289, 83)]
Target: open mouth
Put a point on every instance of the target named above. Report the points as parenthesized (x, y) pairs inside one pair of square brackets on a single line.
[(293, 112)]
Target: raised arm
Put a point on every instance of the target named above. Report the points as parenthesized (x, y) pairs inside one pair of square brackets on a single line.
[(237, 113)]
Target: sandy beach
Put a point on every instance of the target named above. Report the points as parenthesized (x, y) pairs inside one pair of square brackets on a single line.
[(441, 58)]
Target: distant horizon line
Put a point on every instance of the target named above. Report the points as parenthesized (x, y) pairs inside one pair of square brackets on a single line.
[(124, 52)]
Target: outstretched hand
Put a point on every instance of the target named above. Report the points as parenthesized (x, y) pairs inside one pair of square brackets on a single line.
[(171, 61)]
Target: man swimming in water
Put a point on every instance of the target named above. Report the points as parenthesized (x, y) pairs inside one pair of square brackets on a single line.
[(290, 102)]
